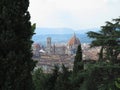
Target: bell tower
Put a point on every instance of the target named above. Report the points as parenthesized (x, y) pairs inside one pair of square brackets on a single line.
[(48, 45)]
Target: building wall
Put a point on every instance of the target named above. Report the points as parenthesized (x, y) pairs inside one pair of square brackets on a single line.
[(59, 50)]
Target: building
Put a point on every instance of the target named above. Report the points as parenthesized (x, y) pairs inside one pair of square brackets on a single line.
[(49, 46), (35, 49), (59, 49), (69, 48), (72, 45), (54, 48)]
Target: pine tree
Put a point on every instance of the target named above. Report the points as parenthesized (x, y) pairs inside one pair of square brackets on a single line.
[(15, 45), (109, 40)]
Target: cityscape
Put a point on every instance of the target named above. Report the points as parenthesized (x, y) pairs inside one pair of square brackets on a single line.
[(59, 45), (62, 53)]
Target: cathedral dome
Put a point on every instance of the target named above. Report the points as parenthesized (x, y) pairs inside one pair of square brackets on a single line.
[(74, 41), (36, 46)]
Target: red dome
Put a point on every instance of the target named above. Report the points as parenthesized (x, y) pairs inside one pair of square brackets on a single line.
[(74, 40), (36, 45)]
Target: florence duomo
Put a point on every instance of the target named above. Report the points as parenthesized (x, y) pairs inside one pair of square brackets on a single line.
[(69, 48)]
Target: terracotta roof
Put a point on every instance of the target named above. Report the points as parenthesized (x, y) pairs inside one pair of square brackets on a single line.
[(36, 45), (74, 40)]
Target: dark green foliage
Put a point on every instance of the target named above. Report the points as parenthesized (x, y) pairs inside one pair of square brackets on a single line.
[(77, 78), (63, 82), (15, 45), (52, 79), (109, 40), (57, 80), (103, 77), (117, 83), (40, 79), (78, 64)]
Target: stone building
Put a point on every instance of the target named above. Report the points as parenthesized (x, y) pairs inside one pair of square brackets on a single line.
[(49, 46), (69, 48), (72, 45), (59, 49), (35, 49)]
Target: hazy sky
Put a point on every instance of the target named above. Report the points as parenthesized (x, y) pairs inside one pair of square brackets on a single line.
[(75, 14)]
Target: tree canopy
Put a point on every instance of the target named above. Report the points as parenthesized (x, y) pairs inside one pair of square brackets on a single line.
[(16, 32), (109, 40)]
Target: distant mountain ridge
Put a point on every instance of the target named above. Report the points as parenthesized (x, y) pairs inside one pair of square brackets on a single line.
[(59, 38), (43, 31), (60, 35)]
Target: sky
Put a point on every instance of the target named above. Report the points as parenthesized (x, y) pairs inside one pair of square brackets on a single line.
[(74, 14)]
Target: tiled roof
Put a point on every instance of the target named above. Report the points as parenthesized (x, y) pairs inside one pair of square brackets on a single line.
[(74, 40), (36, 45)]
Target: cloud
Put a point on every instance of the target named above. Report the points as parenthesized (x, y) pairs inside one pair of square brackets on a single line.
[(74, 14), (111, 1)]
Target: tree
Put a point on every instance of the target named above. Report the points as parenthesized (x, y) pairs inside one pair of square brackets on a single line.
[(52, 79), (103, 77), (63, 82), (16, 61), (40, 79), (78, 65), (109, 40), (77, 77)]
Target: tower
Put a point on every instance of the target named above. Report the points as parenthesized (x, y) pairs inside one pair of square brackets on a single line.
[(54, 49), (48, 45)]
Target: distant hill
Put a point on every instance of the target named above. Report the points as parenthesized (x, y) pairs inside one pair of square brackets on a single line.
[(59, 38), (53, 31), (60, 35), (84, 31), (43, 31)]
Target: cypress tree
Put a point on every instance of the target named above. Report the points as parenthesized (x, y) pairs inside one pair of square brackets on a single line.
[(51, 82), (63, 82), (78, 65), (16, 63), (39, 79), (77, 78)]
